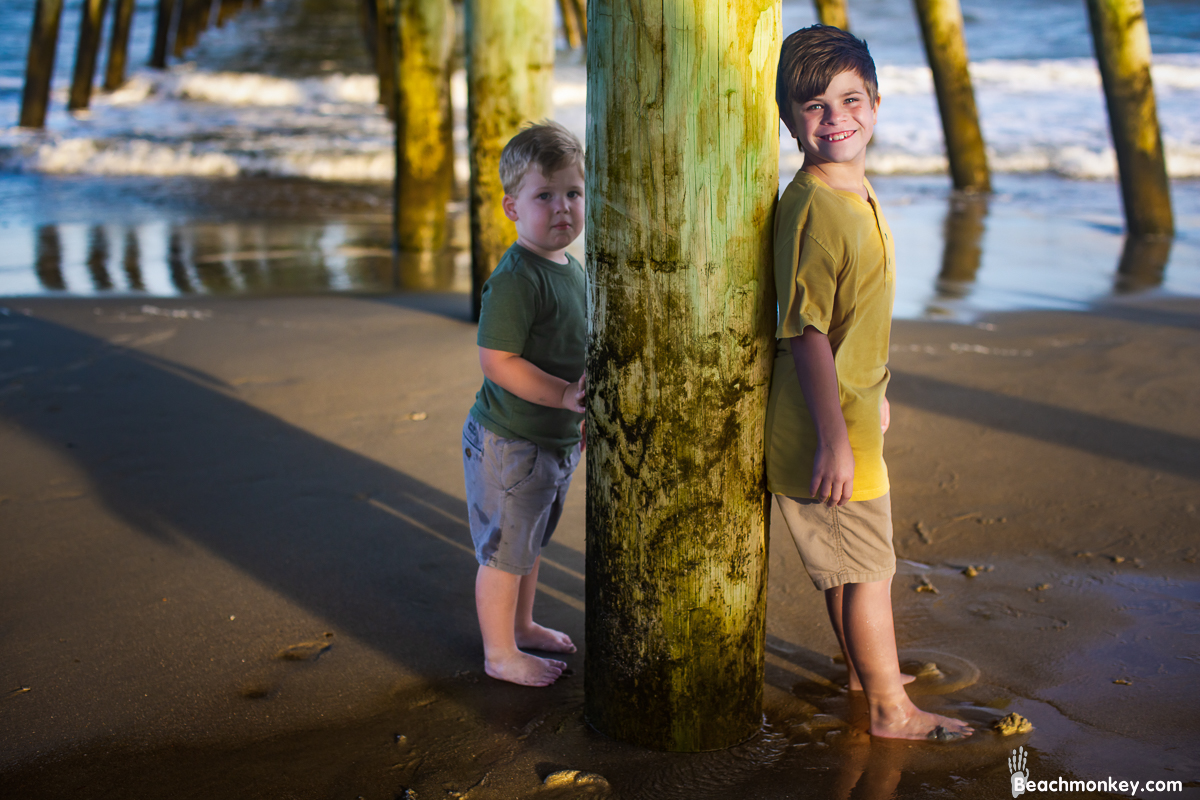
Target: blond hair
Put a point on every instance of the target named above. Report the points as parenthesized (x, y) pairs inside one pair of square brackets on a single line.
[(546, 145)]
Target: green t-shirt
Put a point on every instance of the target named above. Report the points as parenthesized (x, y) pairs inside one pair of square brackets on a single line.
[(834, 271), (538, 310)]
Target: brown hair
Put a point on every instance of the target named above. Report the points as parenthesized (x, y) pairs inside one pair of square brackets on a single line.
[(811, 57), (547, 145)]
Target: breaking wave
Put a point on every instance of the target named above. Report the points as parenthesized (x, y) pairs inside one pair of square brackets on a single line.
[(1037, 116)]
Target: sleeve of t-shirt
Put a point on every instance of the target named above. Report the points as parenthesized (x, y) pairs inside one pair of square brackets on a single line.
[(812, 290), (508, 306)]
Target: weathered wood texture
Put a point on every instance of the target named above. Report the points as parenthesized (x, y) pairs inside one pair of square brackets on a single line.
[(85, 55), (1122, 44), (833, 12), (510, 65), (682, 166), (118, 45), (942, 31), (39, 63), (424, 125), (163, 28)]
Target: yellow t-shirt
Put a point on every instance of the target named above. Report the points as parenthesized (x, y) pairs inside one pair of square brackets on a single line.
[(835, 271)]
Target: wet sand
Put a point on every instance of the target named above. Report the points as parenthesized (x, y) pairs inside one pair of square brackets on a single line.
[(235, 564)]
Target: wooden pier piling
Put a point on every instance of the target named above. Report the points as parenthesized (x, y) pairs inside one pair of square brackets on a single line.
[(39, 62), (1122, 44), (424, 126), (118, 45), (833, 12), (946, 49), (385, 54), (163, 27), (227, 10), (510, 64), (681, 188), (570, 24), (85, 55)]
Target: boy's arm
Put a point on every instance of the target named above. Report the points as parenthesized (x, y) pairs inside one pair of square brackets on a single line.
[(529, 382), (833, 465)]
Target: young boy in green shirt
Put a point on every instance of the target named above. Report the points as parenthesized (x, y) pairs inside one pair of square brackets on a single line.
[(834, 272), (522, 439)]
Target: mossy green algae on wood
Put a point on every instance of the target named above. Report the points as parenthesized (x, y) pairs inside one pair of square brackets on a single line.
[(682, 156)]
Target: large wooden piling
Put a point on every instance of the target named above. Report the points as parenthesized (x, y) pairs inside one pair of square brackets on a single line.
[(85, 55), (833, 12), (682, 179), (163, 27), (424, 126), (1122, 44), (510, 65), (942, 32), (39, 63), (118, 45)]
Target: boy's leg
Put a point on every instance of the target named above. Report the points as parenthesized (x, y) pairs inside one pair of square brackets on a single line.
[(833, 604), (528, 633), (497, 595), (871, 640)]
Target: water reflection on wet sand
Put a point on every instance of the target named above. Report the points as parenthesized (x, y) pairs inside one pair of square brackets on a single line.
[(1039, 242)]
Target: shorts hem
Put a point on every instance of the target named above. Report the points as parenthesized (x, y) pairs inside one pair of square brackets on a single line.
[(500, 565), (842, 578)]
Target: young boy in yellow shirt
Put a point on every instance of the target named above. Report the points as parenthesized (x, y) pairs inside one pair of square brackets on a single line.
[(834, 271)]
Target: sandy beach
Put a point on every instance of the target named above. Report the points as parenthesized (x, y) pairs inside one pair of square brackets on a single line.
[(236, 564)]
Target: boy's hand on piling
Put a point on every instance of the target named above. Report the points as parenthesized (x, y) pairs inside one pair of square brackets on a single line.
[(833, 474), (574, 395)]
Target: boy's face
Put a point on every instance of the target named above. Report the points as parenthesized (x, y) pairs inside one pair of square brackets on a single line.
[(836, 126), (548, 210)]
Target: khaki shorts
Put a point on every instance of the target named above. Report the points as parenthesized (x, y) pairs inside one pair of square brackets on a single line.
[(843, 544)]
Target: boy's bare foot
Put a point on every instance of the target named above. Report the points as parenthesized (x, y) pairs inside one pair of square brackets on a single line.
[(535, 637), (524, 669), (913, 723)]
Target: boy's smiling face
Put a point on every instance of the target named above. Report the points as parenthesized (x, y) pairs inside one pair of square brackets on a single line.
[(834, 128), (547, 210)]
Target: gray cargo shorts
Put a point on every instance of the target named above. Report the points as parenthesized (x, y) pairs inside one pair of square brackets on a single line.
[(515, 496)]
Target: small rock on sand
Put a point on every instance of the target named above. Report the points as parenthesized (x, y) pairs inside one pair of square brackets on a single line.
[(926, 586)]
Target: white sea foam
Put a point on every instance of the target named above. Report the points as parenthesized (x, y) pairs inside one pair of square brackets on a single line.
[(1037, 116)]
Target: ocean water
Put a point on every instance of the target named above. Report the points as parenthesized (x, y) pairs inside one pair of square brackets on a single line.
[(283, 92)]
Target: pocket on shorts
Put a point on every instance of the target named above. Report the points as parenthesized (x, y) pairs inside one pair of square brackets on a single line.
[(518, 460), (472, 439)]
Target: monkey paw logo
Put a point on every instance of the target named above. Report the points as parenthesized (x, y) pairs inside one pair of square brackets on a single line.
[(1020, 774)]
